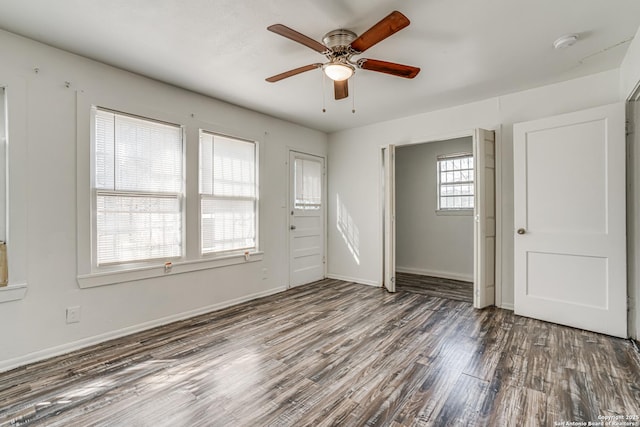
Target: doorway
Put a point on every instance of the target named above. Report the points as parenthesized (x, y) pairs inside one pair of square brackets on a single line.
[(475, 153), (307, 218), (633, 213), (434, 218)]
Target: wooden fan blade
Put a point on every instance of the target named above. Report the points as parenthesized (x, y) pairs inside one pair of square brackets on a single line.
[(389, 25), (298, 37), (341, 88), (400, 70), (293, 72)]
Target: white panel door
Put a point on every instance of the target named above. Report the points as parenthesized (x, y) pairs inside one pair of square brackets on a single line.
[(570, 241), (389, 161), (484, 260), (307, 213)]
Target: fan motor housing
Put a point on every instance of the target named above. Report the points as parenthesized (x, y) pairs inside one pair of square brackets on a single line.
[(337, 39)]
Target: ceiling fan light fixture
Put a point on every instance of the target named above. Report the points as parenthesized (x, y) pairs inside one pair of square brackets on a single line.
[(338, 72)]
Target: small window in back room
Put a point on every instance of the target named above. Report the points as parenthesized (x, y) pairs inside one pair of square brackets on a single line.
[(455, 182)]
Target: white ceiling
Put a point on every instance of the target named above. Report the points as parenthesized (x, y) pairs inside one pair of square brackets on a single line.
[(468, 49)]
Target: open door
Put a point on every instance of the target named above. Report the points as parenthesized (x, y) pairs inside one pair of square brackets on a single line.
[(484, 225), (389, 154), (484, 252), (570, 243)]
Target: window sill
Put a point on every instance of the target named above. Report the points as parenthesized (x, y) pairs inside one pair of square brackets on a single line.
[(454, 212), (93, 280), (12, 293)]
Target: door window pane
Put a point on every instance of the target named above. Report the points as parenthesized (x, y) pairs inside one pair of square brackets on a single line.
[(308, 184)]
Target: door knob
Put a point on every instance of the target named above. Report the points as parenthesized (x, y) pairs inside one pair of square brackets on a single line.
[(293, 227), (521, 231)]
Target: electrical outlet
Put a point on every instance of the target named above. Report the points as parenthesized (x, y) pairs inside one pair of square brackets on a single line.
[(264, 273), (73, 314)]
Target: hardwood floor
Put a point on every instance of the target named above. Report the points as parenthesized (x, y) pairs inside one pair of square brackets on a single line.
[(435, 286), (334, 353)]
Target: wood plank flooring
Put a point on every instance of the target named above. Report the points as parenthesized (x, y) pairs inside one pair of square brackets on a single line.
[(435, 286), (334, 353)]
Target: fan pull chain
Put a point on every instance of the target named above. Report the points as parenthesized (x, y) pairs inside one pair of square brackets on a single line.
[(353, 97), (324, 106)]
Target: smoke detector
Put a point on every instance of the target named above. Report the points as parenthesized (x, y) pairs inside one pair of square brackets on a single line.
[(565, 41)]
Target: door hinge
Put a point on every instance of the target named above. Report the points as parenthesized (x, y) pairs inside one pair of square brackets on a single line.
[(628, 127)]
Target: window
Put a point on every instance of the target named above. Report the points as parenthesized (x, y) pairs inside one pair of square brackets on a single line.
[(138, 188), (13, 185), (228, 194), (3, 171), (308, 184), (4, 273), (135, 198), (455, 182)]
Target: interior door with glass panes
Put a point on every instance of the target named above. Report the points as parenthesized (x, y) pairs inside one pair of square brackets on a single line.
[(306, 219)]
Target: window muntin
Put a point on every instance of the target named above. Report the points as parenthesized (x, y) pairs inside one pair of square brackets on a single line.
[(228, 193), (138, 188), (307, 184), (455, 182)]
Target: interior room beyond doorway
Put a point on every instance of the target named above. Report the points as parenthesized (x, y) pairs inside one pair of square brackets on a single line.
[(434, 217)]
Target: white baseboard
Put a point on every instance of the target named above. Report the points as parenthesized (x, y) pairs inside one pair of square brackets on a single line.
[(6, 365), (435, 273), (507, 306), (354, 279)]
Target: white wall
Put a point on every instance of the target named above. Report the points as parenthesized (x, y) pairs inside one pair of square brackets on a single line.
[(34, 327), (354, 170), (427, 242), (630, 68)]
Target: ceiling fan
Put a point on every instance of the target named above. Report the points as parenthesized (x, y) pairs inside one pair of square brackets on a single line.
[(340, 46)]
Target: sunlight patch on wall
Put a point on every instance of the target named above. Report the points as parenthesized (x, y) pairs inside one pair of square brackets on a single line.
[(348, 230)]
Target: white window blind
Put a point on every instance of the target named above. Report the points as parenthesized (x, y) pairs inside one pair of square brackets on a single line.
[(138, 188), (455, 182), (4, 268), (308, 184), (3, 170), (228, 195)]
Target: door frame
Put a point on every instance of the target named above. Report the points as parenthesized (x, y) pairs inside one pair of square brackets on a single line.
[(632, 113), (498, 199), (288, 207), (389, 221)]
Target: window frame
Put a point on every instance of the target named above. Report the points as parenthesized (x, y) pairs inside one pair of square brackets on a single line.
[(88, 276), (15, 173), (4, 200), (95, 266), (454, 211), (255, 249)]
